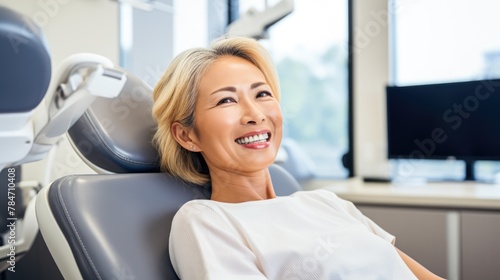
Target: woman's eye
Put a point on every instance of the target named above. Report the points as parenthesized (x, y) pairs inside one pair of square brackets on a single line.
[(226, 100), (264, 94)]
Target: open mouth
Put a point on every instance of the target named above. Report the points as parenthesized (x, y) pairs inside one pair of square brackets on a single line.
[(258, 138)]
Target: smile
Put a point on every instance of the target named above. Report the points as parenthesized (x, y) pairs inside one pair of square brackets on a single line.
[(253, 139)]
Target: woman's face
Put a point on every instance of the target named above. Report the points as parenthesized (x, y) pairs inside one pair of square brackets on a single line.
[(238, 120)]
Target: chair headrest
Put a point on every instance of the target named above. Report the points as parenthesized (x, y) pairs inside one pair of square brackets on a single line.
[(25, 65), (114, 135)]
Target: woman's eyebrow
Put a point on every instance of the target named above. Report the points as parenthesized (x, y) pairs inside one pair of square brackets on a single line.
[(256, 85), (233, 89)]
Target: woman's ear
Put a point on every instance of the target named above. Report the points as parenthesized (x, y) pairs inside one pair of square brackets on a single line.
[(182, 136)]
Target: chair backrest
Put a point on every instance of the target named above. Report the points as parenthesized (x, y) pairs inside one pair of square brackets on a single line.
[(25, 63), (114, 226)]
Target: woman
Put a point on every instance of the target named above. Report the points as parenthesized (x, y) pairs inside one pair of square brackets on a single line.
[(220, 123)]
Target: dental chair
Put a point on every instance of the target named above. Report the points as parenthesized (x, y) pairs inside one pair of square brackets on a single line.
[(114, 226)]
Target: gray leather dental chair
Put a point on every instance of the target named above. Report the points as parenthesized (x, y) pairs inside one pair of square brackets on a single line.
[(117, 225)]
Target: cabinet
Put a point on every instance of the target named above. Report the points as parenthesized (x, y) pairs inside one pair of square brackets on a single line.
[(420, 233), (455, 244), (480, 245)]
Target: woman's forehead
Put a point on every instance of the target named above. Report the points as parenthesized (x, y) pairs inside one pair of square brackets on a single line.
[(230, 71)]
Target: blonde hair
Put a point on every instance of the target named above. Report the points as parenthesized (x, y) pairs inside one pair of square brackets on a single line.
[(175, 98)]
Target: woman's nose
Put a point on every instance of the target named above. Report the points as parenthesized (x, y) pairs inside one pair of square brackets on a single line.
[(252, 114)]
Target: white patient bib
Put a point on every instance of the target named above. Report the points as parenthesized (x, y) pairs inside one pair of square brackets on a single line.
[(308, 235)]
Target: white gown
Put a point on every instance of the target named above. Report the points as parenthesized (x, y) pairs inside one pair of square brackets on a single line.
[(308, 235)]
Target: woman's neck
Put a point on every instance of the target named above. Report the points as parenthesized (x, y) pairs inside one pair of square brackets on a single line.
[(234, 187)]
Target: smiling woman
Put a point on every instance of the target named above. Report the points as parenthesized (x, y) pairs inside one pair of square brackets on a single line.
[(219, 118)]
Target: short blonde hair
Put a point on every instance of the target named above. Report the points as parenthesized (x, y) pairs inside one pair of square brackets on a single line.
[(175, 98)]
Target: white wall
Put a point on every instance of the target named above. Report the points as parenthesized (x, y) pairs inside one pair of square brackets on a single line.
[(73, 26), (70, 26), (371, 75)]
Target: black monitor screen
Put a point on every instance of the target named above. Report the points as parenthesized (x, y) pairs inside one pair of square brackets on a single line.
[(440, 121)]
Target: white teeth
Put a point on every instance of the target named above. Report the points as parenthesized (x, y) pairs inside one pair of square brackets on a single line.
[(251, 139)]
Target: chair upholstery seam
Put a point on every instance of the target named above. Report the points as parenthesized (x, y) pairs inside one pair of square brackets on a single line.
[(68, 216)]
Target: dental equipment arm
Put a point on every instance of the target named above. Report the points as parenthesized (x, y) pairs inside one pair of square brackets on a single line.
[(255, 24), (80, 79)]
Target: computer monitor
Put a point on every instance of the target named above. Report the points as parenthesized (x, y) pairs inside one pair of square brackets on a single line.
[(458, 120)]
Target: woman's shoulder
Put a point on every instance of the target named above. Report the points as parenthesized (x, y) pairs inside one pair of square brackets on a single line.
[(198, 205), (195, 212)]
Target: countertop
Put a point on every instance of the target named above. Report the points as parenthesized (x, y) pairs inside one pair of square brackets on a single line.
[(415, 193)]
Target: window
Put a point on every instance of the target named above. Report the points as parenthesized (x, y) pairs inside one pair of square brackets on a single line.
[(310, 50), (153, 32), (144, 50), (445, 41)]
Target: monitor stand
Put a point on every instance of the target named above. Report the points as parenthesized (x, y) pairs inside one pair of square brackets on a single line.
[(469, 170)]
